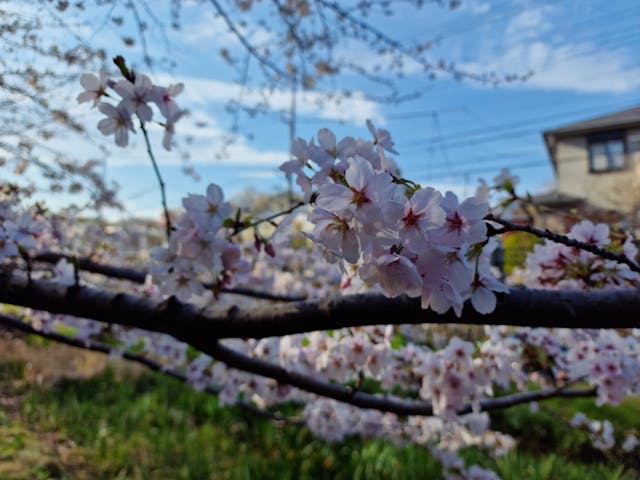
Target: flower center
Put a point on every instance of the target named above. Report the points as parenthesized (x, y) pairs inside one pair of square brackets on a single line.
[(359, 198), (456, 222), (411, 219)]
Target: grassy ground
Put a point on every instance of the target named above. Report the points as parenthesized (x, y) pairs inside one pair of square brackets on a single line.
[(123, 423)]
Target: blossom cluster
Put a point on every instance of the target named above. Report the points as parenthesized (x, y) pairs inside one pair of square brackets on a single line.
[(136, 93), (199, 249), (607, 360), (600, 432), (560, 267), (21, 229), (406, 238)]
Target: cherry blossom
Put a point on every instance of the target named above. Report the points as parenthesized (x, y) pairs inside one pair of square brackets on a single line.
[(118, 122), (381, 137), (136, 95), (164, 99), (95, 88), (170, 127), (422, 213)]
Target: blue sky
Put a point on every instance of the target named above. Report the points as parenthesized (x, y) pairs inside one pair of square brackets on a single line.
[(583, 55)]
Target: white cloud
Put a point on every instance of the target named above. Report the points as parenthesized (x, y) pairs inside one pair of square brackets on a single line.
[(559, 68), (354, 108), (206, 141), (209, 27), (535, 40), (528, 24), (476, 8)]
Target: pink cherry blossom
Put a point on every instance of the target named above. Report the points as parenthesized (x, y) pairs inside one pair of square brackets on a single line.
[(170, 127), (95, 88), (136, 96), (163, 97), (381, 137), (118, 122), (422, 212), (587, 232), (396, 274)]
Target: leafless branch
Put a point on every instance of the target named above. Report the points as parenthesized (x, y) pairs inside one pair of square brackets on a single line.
[(237, 360), (18, 325), (377, 402), (245, 42), (520, 307), (555, 237), (137, 276)]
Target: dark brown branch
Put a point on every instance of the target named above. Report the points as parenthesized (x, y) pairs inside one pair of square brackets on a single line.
[(18, 325), (88, 265), (364, 400), (555, 237), (520, 307), (247, 292), (237, 360), (15, 324)]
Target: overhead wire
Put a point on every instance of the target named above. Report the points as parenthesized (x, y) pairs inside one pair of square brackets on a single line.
[(506, 130), (512, 165)]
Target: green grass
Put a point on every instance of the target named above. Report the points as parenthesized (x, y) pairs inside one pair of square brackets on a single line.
[(153, 427)]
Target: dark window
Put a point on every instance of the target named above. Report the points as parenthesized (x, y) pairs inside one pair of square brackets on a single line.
[(607, 151)]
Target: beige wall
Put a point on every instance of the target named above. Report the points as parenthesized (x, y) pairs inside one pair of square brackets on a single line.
[(618, 190)]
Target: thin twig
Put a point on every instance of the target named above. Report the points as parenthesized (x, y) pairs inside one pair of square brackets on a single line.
[(245, 43), (555, 237), (244, 226), (382, 37), (167, 217)]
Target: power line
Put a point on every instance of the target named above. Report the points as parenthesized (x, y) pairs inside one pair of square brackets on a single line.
[(443, 169), (463, 173), (523, 122), (424, 113), (504, 130), (489, 157)]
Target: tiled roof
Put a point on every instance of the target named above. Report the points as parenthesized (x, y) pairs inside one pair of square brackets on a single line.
[(622, 118)]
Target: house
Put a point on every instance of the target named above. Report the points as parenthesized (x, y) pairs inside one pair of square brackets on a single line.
[(597, 167)]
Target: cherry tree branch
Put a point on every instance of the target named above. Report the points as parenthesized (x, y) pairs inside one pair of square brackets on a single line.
[(18, 325), (239, 361), (137, 276), (395, 45), (555, 237), (521, 307), (398, 406), (243, 226)]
